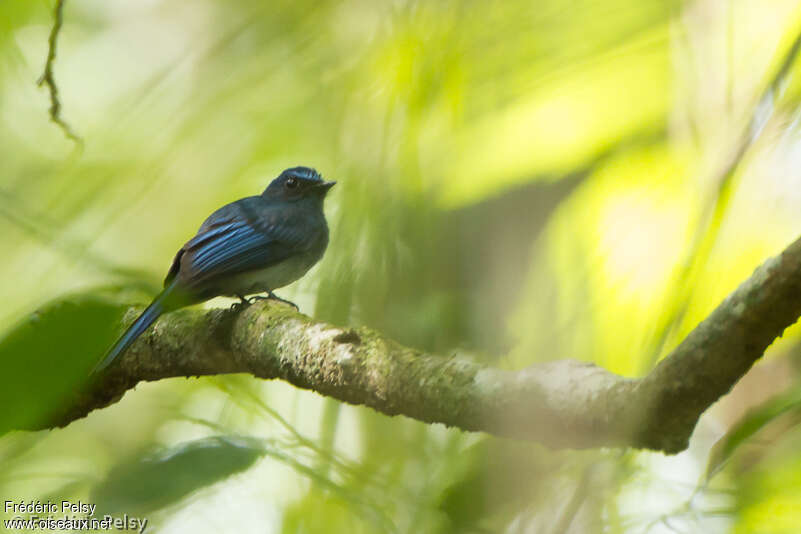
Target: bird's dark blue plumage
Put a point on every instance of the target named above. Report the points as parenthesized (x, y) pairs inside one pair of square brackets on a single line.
[(256, 244)]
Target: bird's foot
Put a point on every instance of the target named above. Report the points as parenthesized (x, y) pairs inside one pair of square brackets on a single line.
[(243, 303), (273, 296)]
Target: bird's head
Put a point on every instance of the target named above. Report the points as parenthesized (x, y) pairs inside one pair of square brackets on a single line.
[(297, 183)]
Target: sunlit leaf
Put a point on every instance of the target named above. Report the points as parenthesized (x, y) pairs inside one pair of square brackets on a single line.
[(751, 423)]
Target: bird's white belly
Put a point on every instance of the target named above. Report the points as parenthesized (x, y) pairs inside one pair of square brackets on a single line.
[(268, 279)]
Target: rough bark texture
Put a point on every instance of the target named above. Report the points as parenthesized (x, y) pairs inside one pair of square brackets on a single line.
[(562, 403)]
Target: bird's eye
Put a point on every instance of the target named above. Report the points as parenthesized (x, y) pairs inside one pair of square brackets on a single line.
[(291, 183)]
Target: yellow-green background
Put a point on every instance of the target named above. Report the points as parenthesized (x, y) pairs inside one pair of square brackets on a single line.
[(518, 181)]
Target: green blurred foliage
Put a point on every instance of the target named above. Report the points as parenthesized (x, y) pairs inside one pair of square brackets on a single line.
[(154, 480), (769, 499), (49, 355), (744, 430), (518, 181)]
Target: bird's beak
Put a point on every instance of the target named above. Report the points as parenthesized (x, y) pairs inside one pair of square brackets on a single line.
[(323, 187)]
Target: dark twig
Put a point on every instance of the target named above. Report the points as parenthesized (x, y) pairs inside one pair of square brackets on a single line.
[(48, 79)]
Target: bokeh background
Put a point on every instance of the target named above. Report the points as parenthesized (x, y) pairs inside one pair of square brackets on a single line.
[(518, 181)]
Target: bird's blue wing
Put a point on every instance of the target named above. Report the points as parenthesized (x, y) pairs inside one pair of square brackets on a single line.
[(247, 235), (236, 246)]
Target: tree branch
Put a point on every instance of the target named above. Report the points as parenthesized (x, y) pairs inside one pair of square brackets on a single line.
[(562, 403), (48, 78)]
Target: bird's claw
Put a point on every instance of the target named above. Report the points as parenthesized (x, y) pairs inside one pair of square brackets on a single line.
[(243, 303), (273, 296)]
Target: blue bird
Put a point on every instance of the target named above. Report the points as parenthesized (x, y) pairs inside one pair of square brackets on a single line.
[(254, 245)]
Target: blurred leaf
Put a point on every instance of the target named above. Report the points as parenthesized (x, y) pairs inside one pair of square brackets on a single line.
[(71, 490), (768, 500), (747, 426), (498, 480), (47, 357), (321, 512), (151, 481)]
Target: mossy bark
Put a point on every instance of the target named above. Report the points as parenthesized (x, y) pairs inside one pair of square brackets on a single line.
[(562, 403)]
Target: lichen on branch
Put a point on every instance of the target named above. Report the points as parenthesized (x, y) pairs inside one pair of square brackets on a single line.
[(562, 403)]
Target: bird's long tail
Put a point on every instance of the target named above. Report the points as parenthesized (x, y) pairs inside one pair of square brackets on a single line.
[(148, 317)]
